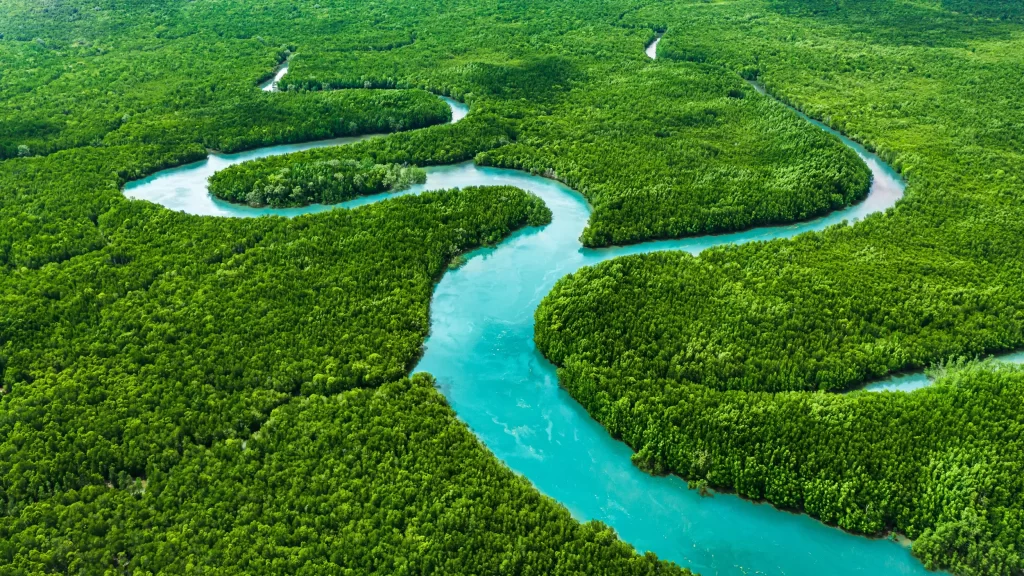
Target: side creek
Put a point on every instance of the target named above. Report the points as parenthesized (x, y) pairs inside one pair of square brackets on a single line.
[(482, 353)]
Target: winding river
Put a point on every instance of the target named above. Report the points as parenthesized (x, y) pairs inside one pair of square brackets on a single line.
[(482, 353)]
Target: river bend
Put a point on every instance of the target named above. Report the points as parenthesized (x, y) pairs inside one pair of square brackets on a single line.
[(482, 353)]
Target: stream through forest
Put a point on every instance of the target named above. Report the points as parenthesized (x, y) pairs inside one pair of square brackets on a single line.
[(481, 351)]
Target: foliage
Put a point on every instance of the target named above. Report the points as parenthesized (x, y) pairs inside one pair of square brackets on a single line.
[(334, 174), (140, 349), (163, 354), (229, 397), (325, 182), (720, 367), (942, 464), (676, 150), (660, 149), (378, 481), (179, 93), (141, 346)]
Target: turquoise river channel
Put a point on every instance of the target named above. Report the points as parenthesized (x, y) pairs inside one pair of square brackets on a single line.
[(482, 353)]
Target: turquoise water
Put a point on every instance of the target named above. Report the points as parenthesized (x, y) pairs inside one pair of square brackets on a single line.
[(911, 382), (184, 188), (481, 351)]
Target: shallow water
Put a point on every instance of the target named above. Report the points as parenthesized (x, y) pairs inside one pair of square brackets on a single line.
[(482, 353), (652, 48), (918, 380)]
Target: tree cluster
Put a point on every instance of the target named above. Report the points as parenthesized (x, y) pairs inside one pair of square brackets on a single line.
[(338, 173)]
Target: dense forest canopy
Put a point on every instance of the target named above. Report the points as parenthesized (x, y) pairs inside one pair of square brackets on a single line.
[(724, 368), (146, 353), (334, 174), (661, 149), (184, 393)]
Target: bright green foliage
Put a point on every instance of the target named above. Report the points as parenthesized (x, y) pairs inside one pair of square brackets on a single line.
[(754, 317), (164, 380), (717, 367), (325, 182), (177, 93), (714, 155), (661, 150), (140, 349), (144, 436), (382, 481), (183, 339)]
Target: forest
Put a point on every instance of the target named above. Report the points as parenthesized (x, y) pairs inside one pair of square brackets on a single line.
[(942, 464), (730, 368), (160, 371), (196, 394), (175, 367), (660, 152), (696, 150), (660, 149), (338, 173), (325, 182)]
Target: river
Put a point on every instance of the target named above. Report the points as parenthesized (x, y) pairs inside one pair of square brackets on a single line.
[(652, 48), (481, 351)]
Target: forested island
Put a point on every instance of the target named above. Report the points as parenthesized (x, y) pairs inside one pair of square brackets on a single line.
[(196, 394)]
